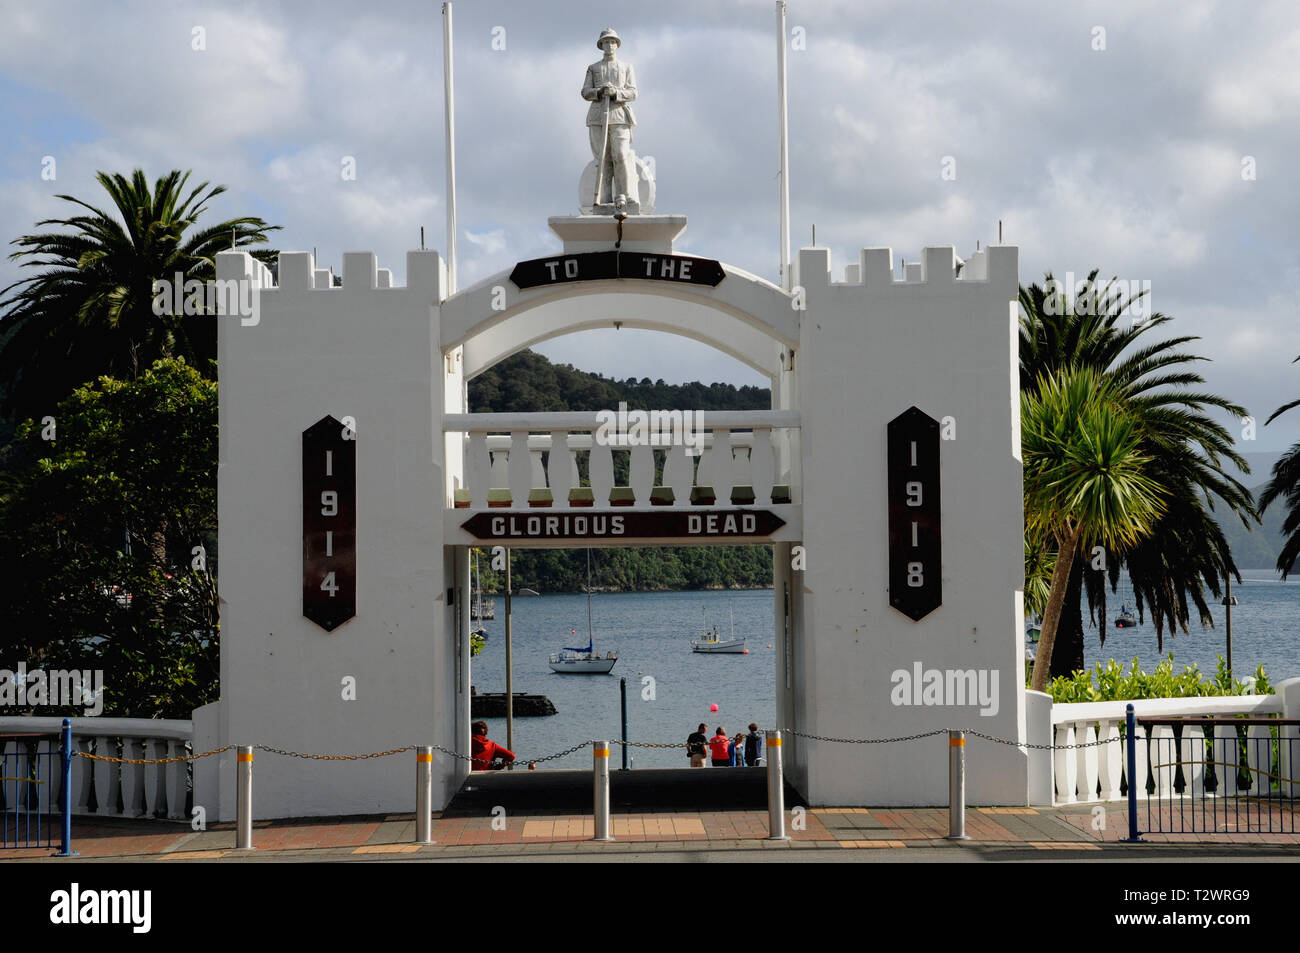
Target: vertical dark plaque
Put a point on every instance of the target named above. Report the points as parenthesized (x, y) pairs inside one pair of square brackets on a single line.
[(915, 551), (329, 523)]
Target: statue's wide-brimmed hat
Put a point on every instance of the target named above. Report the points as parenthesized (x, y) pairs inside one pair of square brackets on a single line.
[(607, 34)]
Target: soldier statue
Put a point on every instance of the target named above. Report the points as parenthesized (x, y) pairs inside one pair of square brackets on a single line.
[(610, 85)]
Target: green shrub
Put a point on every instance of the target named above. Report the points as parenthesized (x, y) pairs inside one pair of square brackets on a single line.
[(1112, 683)]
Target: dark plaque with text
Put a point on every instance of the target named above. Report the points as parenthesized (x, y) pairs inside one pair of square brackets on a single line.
[(523, 525), (597, 265), (329, 523), (915, 551)]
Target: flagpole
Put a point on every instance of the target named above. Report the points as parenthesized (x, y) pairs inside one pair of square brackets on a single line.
[(784, 135), (450, 101)]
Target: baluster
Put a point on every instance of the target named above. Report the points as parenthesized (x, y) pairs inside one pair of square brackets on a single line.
[(106, 774), (601, 472), (762, 466), (1067, 767), (1164, 757), (500, 470), (1110, 757), (21, 763), (722, 465), (679, 473), (1191, 752), (520, 469), (82, 774), (155, 748), (1086, 759), (176, 772), (1141, 751), (538, 478), (132, 778), (1259, 757), (641, 472), (742, 473), (478, 470), (563, 474), (1289, 741), (50, 770)]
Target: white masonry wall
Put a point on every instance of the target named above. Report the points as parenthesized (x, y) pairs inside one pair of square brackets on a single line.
[(364, 350), (869, 351)]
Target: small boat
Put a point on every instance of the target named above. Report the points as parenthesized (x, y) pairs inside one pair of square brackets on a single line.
[(529, 592), (583, 661), (1125, 619), (1032, 631), (710, 642)]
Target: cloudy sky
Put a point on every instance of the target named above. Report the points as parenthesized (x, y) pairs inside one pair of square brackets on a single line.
[(1158, 142)]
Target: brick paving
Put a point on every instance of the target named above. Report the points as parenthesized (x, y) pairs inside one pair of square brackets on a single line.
[(1071, 828)]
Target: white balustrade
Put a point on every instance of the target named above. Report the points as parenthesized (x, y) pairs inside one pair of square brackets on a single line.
[(505, 451), (147, 790), (1081, 769)]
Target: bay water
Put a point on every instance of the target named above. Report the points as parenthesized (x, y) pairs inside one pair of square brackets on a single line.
[(671, 689)]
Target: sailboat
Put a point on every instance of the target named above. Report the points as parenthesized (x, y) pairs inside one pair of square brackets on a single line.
[(1125, 619), (477, 610), (583, 661), (710, 642)]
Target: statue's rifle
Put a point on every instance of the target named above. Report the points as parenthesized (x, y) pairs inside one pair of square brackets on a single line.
[(604, 146)]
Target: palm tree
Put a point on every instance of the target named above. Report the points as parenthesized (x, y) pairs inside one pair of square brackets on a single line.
[(1186, 550), (1085, 479), (1286, 482), (89, 312)]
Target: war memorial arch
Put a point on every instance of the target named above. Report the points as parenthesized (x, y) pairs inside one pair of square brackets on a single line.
[(353, 482)]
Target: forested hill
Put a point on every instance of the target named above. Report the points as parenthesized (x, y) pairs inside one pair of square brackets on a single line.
[(529, 382)]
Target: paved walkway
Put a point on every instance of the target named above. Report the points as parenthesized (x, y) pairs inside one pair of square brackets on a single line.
[(894, 830)]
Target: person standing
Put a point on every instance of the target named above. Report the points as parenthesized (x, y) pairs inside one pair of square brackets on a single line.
[(718, 747), (695, 747), (753, 745)]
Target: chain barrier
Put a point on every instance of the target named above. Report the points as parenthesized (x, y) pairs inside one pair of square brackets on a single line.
[(584, 744), (944, 731), (334, 757), (185, 757)]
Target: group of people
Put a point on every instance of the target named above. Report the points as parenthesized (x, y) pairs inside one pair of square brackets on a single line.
[(744, 750)]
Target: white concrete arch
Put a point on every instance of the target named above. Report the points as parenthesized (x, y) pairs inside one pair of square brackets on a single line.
[(743, 316)]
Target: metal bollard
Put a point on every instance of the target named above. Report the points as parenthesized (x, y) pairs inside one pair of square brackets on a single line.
[(956, 786), (600, 776), (244, 797), (1130, 752), (775, 788), (424, 794)]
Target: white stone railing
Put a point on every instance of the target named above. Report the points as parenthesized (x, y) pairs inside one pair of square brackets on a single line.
[(504, 465), (120, 790), (1094, 774)]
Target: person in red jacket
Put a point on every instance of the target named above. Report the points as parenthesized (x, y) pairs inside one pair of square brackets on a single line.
[(718, 746), (485, 752)]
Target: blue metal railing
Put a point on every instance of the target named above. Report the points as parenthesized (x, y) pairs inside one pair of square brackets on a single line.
[(1215, 775), (36, 790)]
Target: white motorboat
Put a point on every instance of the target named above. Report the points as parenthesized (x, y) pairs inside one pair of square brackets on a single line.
[(711, 642), (583, 661)]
